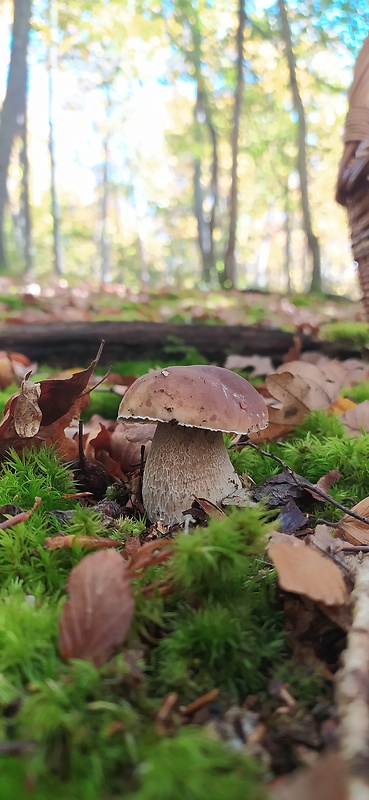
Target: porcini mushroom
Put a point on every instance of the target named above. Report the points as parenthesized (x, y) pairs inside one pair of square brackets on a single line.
[(192, 405)]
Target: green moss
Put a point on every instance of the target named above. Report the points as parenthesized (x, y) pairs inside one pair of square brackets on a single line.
[(197, 767), (90, 732), (306, 682), (5, 394), (22, 554), (356, 332), (231, 630), (250, 462), (357, 393), (104, 402), (320, 424)]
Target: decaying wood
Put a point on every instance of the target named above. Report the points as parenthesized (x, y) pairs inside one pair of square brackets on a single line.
[(73, 344), (353, 692), (352, 184)]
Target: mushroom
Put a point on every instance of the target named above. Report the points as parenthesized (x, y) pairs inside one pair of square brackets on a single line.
[(192, 405)]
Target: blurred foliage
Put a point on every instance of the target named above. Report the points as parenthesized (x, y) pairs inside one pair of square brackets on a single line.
[(128, 75)]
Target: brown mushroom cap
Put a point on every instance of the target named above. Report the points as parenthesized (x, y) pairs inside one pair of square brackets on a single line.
[(200, 396)]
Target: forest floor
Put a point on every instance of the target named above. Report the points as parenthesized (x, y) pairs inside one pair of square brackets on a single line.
[(228, 657)]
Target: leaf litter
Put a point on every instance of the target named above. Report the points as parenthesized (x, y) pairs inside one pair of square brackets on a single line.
[(309, 558)]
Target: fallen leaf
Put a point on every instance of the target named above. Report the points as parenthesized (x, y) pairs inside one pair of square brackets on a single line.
[(27, 413), (326, 780), (148, 555), (341, 404), (58, 396), (303, 570), (356, 419), (290, 519), (321, 388), (98, 614), (324, 483), (352, 529), (210, 509), (278, 490), (290, 390), (258, 365)]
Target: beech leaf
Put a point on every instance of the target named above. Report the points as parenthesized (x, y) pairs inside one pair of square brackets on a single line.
[(98, 614), (355, 531), (303, 570)]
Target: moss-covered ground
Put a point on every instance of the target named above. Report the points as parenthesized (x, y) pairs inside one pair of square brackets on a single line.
[(72, 730)]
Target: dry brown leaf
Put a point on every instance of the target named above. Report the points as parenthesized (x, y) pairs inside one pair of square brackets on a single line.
[(290, 391), (326, 780), (324, 483), (148, 555), (352, 529), (341, 404), (356, 419), (97, 616), (324, 540), (27, 413), (259, 365), (303, 570), (321, 388)]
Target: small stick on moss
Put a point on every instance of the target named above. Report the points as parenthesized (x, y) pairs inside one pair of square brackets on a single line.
[(21, 517), (200, 702), (303, 483)]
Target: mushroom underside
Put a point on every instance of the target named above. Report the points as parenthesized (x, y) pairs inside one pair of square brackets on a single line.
[(183, 462)]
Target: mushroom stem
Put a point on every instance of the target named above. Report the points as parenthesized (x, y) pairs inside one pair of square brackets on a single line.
[(183, 462)]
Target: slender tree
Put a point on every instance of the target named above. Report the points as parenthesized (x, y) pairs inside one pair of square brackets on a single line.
[(52, 69), (14, 105), (312, 239), (25, 205), (205, 200), (230, 266)]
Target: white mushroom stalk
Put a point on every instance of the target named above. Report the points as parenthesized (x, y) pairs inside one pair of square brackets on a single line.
[(184, 461)]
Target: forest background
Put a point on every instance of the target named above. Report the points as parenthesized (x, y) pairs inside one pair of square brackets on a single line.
[(174, 143)]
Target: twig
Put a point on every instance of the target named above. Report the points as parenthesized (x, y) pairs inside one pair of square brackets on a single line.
[(21, 517), (200, 702), (303, 483)]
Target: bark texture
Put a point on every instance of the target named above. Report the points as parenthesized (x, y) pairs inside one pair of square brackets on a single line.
[(352, 183), (312, 239), (14, 105), (230, 266), (76, 343)]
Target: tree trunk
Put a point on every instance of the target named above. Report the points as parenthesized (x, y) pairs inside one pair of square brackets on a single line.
[(205, 219), (312, 239), (55, 210), (14, 103), (25, 203), (105, 252), (287, 247), (228, 278)]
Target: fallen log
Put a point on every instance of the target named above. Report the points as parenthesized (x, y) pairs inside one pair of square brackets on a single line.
[(75, 344)]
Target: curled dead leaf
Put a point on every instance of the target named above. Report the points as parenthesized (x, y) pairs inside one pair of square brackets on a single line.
[(354, 530), (290, 391), (356, 419), (27, 412)]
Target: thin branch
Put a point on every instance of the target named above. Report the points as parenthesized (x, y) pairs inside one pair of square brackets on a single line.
[(303, 483)]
